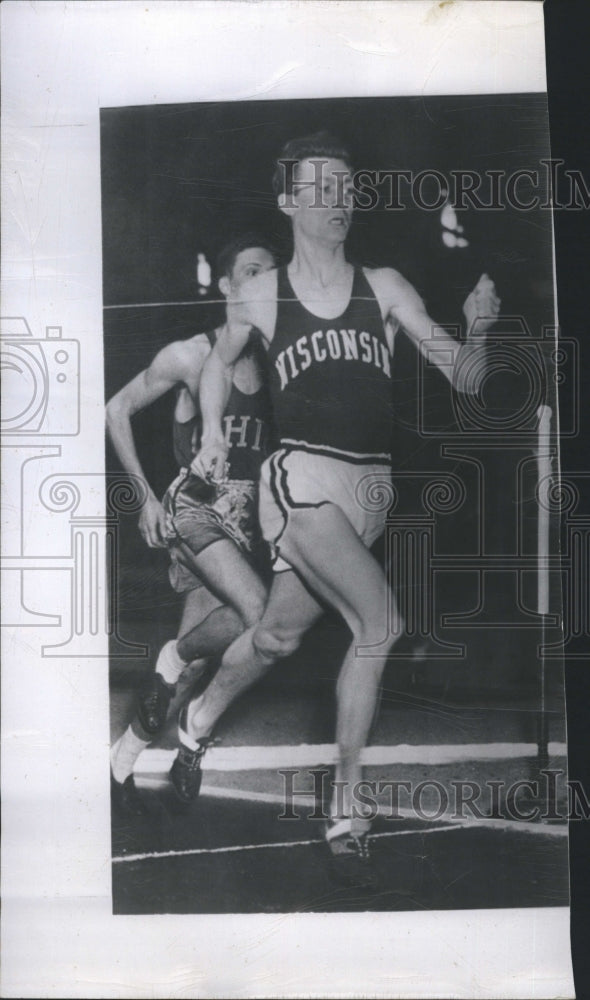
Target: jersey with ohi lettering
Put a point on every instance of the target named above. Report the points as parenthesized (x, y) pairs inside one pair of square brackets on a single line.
[(201, 512)]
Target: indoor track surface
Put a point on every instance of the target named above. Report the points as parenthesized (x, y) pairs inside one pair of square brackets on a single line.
[(230, 852)]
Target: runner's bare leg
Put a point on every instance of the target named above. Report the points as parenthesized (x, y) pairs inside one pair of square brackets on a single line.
[(290, 612), (230, 577), (207, 629), (325, 549)]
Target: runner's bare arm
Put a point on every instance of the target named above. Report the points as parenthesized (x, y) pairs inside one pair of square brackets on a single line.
[(253, 310), (404, 306), (169, 368), (214, 391)]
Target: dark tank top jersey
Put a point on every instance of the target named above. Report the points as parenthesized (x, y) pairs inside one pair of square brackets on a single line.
[(331, 378), (247, 428)]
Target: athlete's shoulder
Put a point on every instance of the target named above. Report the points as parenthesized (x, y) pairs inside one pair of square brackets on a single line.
[(199, 344), (385, 277), (181, 356), (390, 286)]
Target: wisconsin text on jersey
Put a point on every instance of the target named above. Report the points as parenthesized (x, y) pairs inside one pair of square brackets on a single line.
[(346, 345)]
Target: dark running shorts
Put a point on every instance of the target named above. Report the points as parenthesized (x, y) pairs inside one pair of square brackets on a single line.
[(201, 513)]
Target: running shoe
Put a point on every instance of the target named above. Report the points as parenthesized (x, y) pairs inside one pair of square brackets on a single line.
[(153, 703), (126, 798), (186, 774), (349, 855)]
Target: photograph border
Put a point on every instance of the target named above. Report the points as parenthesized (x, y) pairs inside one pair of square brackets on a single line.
[(61, 64)]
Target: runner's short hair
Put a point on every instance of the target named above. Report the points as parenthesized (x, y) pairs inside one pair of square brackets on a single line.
[(319, 144), (228, 254)]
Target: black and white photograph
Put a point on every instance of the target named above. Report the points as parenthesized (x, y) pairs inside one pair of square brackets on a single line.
[(331, 373), (292, 565)]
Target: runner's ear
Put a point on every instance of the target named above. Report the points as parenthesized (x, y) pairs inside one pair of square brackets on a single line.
[(224, 286)]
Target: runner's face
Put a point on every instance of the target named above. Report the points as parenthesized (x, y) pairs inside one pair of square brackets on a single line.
[(248, 264), (322, 195)]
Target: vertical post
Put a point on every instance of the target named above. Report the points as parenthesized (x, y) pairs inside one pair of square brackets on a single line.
[(544, 471)]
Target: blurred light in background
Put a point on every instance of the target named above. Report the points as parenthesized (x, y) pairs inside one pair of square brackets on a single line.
[(451, 229), (203, 274)]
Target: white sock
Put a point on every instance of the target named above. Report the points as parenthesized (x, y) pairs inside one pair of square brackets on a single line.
[(169, 664), (357, 819), (189, 739), (186, 740), (125, 752)]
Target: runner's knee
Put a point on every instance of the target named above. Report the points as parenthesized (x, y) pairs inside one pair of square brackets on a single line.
[(377, 630), (275, 644)]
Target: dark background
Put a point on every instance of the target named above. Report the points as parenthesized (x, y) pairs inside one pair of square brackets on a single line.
[(154, 266), (179, 180), (567, 33)]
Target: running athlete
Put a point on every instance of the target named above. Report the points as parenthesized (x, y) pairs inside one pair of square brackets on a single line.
[(211, 530), (329, 330)]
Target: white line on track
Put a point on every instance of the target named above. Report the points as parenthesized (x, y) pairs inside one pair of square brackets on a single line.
[(156, 855), (234, 848), (248, 758), (401, 812), (153, 765)]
